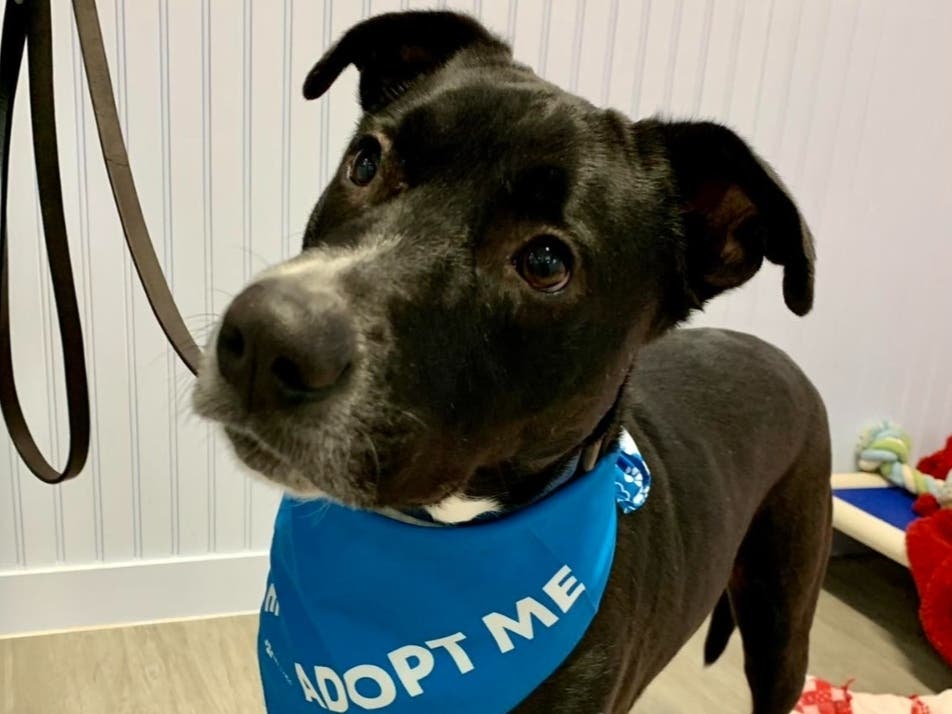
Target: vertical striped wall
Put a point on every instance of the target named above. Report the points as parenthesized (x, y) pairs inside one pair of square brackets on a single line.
[(849, 99)]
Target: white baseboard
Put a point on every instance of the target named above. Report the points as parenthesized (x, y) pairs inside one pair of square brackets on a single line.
[(109, 594)]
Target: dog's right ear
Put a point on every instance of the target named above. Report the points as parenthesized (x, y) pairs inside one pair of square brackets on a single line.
[(392, 51)]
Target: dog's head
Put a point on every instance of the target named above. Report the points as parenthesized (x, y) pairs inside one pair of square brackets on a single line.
[(479, 274)]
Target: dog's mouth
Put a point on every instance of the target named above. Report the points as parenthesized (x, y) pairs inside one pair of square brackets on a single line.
[(396, 475), (345, 460), (269, 463), (254, 452)]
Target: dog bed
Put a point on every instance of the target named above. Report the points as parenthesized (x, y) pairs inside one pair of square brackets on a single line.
[(870, 510), (881, 516), (905, 513)]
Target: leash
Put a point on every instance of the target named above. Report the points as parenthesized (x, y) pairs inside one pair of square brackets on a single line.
[(27, 26)]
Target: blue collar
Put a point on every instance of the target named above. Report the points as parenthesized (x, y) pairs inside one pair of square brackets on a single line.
[(363, 612)]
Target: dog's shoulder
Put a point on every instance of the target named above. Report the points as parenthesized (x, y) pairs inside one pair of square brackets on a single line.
[(707, 363), (710, 399)]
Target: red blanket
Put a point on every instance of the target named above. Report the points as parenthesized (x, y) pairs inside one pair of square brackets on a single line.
[(929, 545), (821, 697)]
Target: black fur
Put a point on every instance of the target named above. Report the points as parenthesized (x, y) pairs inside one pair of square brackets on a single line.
[(468, 381)]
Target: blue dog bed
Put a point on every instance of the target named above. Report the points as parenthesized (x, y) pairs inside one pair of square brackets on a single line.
[(868, 509)]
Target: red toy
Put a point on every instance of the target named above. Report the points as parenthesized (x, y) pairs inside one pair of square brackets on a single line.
[(929, 545), (937, 465)]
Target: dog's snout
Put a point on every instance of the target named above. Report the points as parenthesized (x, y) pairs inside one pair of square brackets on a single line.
[(280, 345)]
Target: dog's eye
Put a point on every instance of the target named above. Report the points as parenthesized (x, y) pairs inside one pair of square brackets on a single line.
[(545, 263), (366, 162)]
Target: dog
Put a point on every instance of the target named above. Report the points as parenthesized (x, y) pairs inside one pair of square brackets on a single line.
[(488, 293)]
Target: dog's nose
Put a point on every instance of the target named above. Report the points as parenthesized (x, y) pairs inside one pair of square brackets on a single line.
[(280, 345)]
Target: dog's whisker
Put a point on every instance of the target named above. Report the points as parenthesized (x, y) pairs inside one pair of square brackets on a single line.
[(199, 316), (183, 403), (204, 323), (414, 417), (376, 458), (265, 262)]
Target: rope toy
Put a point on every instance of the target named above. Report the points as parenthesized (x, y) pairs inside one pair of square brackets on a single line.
[(884, 449)]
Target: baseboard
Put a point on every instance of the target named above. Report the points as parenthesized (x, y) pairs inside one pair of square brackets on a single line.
[(104, 595)]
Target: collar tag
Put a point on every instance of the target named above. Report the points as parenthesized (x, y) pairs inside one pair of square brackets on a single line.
[(632, 478)]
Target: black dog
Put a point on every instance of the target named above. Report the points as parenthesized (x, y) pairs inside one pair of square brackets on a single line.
[(484, 294)]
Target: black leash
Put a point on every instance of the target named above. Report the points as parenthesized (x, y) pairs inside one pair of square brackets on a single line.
[(26, 25)]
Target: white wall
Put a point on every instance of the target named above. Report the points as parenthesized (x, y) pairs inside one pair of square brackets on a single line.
[(849, 99)]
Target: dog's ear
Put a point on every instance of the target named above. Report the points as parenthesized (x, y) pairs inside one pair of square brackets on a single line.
[(392, 51), (736, 212)]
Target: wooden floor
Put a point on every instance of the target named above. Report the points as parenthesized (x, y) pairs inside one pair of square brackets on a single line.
[(866, 629)]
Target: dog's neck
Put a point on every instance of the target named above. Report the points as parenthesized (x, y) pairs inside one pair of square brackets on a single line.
[(499, 491), (502, 491)]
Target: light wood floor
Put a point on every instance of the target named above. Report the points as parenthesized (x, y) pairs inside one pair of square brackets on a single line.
[(866, 629)]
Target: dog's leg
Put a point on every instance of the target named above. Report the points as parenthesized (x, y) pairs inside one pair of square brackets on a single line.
[(777, 578)]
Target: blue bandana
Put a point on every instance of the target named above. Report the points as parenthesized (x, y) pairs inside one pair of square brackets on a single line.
[(363, 612)]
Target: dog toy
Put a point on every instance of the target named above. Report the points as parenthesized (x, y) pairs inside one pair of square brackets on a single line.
[(929, 546), (937, 465), (884, 449)]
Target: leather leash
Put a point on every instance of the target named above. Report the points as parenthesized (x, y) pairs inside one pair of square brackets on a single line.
[(27, 25)]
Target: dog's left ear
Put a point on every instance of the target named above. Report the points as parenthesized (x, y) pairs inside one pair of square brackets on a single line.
[(736, 212), (392, 51)]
